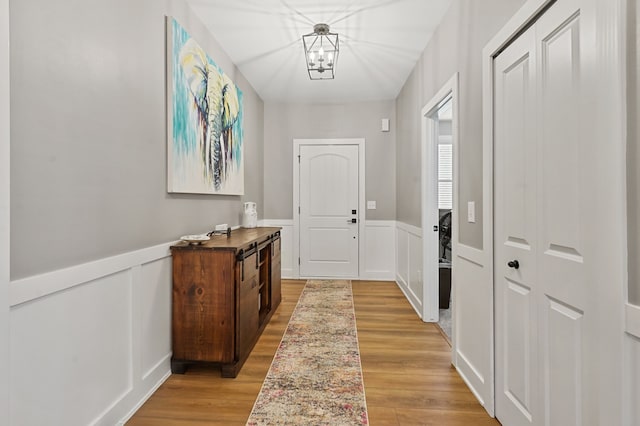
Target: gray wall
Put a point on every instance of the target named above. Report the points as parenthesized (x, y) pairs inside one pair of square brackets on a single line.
[(286, 122), (455, 47), (254, 148), (88, 138)]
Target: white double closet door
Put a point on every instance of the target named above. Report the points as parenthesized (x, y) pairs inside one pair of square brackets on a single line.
[(542, 217)]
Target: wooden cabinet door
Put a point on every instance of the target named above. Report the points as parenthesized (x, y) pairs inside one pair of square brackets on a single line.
[(247, 313), (203, 305), (276, 273)]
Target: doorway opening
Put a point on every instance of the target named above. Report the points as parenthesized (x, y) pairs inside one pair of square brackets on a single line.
[(439, 201), (445, 206)]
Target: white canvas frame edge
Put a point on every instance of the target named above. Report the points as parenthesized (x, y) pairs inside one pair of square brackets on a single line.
[(169, 97)]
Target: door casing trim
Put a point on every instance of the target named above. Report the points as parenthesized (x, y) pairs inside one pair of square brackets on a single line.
[(360, 143), (429, 180)]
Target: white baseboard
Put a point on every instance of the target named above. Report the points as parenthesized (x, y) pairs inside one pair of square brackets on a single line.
[(140, 403), (415, 303)]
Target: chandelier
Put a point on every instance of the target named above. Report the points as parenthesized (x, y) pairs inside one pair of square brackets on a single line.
[(321, 52)]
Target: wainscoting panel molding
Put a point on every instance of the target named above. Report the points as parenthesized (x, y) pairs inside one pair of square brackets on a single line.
[(631, 381), (380, 254), (632, 365), (379, 248), (473, 354), (99, 333), (286, 249), (632, 320), (409, 264)]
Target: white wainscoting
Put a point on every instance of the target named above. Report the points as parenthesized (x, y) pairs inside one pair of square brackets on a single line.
[(473, 356), (286, 244), (380, 250), (632, 380), (632, 320), (90, 343), (632, 365), (409, 264)]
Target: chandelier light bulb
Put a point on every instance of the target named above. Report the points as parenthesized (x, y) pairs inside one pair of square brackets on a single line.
[(321, 52)]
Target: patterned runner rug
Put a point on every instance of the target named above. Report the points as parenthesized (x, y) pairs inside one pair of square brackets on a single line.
[(316, 376)]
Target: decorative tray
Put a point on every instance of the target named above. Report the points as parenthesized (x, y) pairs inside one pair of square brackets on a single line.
[(195, 239)]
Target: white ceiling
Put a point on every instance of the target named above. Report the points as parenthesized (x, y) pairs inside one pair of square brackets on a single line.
[(380, 43)]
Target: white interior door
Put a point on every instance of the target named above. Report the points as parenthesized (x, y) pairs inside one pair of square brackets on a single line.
[(329, 211), (515, 233), (541, 217)]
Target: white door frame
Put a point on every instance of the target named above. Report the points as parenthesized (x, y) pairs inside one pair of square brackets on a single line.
[(429, 181), (5, 163), (296, 197)]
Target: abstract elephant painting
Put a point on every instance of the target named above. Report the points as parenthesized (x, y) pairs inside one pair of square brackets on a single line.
[(205, 153)]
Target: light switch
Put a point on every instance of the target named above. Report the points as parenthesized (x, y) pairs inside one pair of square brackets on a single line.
[(471, 212), (371, 205)]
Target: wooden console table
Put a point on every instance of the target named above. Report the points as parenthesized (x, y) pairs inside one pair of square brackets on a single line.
[(224, 293)]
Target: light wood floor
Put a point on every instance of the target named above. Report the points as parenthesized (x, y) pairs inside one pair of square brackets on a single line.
[(406, 364)]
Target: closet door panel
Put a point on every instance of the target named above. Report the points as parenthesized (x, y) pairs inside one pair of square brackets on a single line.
[(515, 233)]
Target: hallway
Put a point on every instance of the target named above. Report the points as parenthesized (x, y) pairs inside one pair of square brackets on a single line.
[(406, 364)]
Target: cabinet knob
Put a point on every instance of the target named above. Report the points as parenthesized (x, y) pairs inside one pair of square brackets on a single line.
[(513, 264)]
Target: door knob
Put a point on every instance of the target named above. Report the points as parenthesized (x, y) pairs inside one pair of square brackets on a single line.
[(513, 264)]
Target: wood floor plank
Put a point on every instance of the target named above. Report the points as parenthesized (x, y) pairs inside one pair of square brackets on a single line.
[(406, 367)]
